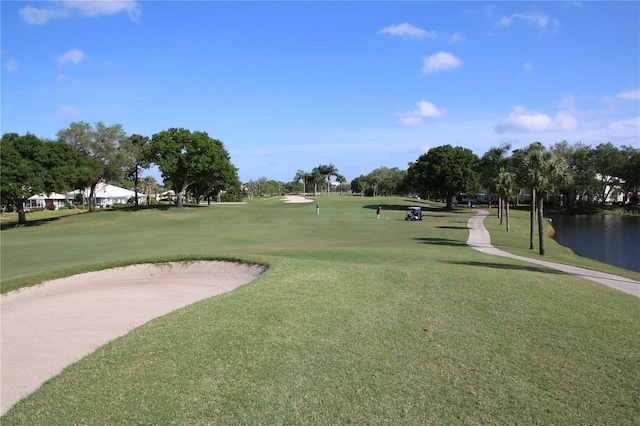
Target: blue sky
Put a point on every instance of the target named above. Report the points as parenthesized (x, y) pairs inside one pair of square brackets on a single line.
[(287, 86)]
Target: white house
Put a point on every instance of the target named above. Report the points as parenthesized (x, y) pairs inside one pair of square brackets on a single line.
[(108, 195), (41, 201)]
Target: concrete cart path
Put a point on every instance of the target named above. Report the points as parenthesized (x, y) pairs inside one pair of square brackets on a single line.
[(480, 240)]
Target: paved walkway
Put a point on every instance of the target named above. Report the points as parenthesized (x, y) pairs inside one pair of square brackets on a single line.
[(480, 240)]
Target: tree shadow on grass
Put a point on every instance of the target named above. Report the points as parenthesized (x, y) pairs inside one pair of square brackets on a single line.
[(451, 227), (386, 206), (162, 207), (508, 267), (403, 207), (441, 242), (39, 222)]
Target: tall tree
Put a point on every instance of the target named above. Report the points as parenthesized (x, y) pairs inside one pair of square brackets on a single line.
[(301, 175), (150, 188), (507, 189), (445, 170), (585, 185), (327, 170), (21, 159), (359, 184), (630, 173), (571, 154), (608, 162), (31, 166), (100, 146), (492, 163), (540, 170), (188, 158), (316, 177), (342, 181), (136, 159)]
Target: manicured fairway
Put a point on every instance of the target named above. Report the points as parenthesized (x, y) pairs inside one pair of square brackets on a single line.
[(358, 320)]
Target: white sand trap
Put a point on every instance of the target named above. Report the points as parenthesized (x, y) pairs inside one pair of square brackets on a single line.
[(296, 199), (47, 327)]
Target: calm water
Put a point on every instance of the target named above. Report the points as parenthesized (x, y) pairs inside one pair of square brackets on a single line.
[(611, 239)]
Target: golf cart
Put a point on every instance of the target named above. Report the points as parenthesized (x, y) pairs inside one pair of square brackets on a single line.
[(414, 213)]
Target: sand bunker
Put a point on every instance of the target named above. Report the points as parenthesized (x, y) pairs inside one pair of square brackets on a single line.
[(47, 327), (296, 199)]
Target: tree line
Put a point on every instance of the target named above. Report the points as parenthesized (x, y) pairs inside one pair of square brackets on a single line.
[(194, 164), (575, 174), (83, 155), (570, 174)]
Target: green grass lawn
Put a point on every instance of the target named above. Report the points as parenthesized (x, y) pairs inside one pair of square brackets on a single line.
[(357, 320)]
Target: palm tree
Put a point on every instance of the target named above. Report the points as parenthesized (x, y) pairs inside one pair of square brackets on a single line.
[(540, 170), (302, 176), (150, 185), (316, 177), (327, 171), (492, 163), (341, 180), (507, 190)]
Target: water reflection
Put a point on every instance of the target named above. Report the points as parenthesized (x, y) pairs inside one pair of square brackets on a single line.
[(611, 239)]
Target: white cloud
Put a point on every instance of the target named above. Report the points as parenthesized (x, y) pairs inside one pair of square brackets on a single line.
[(66, 8), (536, 18), (407, 30), (35, 16), (633, 95), (455, 37), (11, 65), (74, 56), (424, 109), (528, 66), (66, 111), (523, 121), (441, 61)]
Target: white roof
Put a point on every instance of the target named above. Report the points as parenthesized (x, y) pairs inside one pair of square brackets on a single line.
[(52, 196), (104, 190)]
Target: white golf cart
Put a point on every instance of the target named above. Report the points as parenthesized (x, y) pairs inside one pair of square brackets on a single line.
[(414, 213)]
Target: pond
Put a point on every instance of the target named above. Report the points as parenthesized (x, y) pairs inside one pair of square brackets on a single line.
[(611, 239)]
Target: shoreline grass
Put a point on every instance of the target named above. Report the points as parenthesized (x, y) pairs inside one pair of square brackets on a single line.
[(357, 320)]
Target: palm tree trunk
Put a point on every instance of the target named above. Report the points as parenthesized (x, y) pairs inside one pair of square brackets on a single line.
[(135, 185), (540, 204), (506, 210), (532, 219)]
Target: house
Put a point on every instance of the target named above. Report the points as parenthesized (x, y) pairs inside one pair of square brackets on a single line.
[(40, 201), (108, 195)]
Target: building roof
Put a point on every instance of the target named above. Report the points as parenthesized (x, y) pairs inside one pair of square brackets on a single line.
[(104, 190), (51, 196)]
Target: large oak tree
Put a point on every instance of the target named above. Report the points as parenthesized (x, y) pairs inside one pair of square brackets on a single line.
[(31, 166), (191, 161), (100, 147), (445, 170)]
